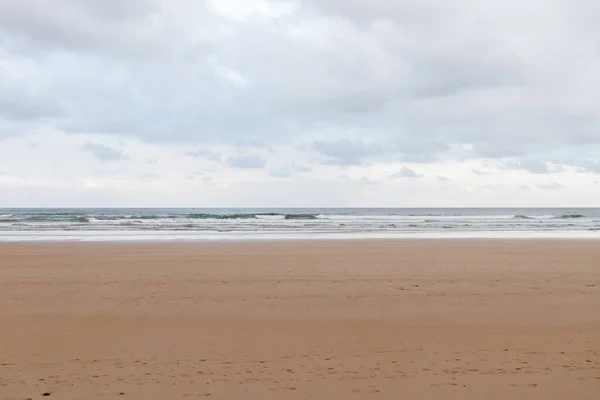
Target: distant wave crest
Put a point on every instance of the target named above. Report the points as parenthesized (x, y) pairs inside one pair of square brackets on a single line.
[(250, 216), (49, 218), (520, 216), (300, 216), (571, 216), (220, 216), (68, 217)]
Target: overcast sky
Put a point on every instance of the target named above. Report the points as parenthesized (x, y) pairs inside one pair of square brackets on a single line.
[(299, 103)]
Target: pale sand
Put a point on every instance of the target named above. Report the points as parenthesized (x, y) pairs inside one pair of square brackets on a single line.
[(301, 320)]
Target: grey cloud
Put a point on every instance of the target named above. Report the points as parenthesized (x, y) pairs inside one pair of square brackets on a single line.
[(24, 99), (421, 149), (424, 75), (466, 62), (534, 166), (8, 130), (404, 12), (205, 154), (87, 26), (251, 144), (282, 171), (406, 172), (246, 162), (103, 152), (346, 152), (26, 108), (327, 87), (301, 168), (492, 149), (443, 179), (149, 175), (420, 158), (449, 74)]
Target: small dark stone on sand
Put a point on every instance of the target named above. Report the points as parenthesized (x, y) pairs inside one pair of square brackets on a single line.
[(46, 394)]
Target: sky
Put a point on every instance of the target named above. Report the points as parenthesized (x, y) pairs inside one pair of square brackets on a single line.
[(314, 103)]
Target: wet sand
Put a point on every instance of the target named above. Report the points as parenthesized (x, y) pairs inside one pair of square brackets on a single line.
[(463, 319)]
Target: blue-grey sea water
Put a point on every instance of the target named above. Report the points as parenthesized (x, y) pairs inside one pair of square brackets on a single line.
[(91, 224)]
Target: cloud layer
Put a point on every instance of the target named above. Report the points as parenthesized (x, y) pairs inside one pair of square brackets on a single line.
[(278, 92)]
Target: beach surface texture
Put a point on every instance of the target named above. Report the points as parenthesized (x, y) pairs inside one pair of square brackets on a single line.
[(398, 319)]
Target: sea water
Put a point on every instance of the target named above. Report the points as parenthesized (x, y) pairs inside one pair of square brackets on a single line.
[(101, 224)]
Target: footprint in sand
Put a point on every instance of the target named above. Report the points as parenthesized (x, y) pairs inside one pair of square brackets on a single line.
[(365, 391), (444, 384), (524, 385)]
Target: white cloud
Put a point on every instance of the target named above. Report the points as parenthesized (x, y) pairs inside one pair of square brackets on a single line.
[(550, 186)]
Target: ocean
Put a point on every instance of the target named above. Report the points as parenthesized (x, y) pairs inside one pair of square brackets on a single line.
[(142, 224)]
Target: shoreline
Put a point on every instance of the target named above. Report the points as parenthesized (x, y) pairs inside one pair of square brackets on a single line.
[(307, 241), (194, 237), (291, 242)]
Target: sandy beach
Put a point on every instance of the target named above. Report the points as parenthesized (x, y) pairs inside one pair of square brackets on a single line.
[(462, 319)]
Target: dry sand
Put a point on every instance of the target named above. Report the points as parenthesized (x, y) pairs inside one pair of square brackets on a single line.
[(471, 319)]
